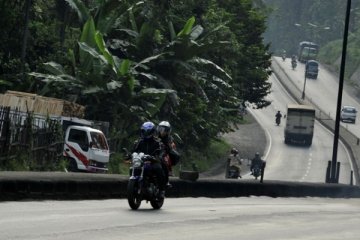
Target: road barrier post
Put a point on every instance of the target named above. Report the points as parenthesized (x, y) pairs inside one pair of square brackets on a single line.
[(327, 178), (262, 172), (336, 180)]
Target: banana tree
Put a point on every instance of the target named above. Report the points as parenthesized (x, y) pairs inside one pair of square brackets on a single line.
[(107, 85)]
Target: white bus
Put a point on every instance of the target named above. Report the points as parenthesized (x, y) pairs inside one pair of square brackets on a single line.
[(299, 124)]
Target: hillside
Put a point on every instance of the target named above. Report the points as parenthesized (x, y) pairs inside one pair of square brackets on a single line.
[(320, 21)]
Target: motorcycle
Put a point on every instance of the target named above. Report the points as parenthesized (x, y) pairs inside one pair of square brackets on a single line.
[(234, 172), (256, 172), (293, 64), (277, 120), (143, 184)]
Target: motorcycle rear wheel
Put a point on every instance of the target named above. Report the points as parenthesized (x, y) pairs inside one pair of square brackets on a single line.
[(134, 199)]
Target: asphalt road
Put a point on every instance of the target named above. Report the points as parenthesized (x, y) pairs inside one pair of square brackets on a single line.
[(183, 218), (322, 91), (296, 162)]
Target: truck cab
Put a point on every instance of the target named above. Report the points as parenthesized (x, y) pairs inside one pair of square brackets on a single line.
[(86, 149)]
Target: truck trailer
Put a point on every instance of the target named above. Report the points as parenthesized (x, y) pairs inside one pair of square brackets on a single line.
[(300, 122)]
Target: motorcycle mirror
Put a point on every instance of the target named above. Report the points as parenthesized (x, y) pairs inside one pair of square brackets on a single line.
[(125, 151)]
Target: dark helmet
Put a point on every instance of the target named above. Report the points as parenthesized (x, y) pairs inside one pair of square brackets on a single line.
[(234, 151), (257, 154), (147, 129), (164, 128)]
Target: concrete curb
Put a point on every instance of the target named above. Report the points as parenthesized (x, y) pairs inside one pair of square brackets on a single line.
[(64, 186)]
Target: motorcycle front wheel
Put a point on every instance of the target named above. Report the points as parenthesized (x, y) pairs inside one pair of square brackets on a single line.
[(134, 199), (157, 203)]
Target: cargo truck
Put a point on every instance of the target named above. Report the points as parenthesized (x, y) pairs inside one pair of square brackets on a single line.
[(307, 51), (300, 120)]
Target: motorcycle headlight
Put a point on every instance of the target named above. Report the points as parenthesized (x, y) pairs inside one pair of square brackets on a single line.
[(137, 162), (136, 159)]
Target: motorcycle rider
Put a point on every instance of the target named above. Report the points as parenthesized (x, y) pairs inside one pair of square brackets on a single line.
[(164, 131), (234, 162), (149, 144), (278, 117), (256, 162), (283, 55), (293, 61)]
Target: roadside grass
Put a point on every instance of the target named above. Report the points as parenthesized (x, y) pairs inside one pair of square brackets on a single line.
[(204, 160), (24, 161)]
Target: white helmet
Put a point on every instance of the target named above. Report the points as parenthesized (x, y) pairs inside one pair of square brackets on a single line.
[(164, 127)]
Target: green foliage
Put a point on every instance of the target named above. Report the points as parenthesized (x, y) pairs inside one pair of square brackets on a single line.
[(207, 158), (326, 18), (330, 53), (118, 165), (191, 62), (18, 163)]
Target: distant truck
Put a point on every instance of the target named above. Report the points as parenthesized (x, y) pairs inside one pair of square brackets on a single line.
[(307, 51), (312, 69), (85, 148), (300, 122)]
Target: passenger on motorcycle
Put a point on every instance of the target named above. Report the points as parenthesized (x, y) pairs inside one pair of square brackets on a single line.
[(234, 162), (256, 162), (164, 134), (149, 144)]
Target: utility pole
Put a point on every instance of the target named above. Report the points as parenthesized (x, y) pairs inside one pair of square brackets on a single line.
[(334, 171)]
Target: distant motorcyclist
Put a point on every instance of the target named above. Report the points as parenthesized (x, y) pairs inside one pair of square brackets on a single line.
[(283, 55), (256, 162), (293, 61), (278, 117), (149, 144), (234, 164)]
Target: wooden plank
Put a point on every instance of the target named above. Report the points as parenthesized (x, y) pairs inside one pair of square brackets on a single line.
[(41, 105)]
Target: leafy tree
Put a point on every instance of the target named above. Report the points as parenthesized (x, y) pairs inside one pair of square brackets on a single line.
[(190, 62)]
